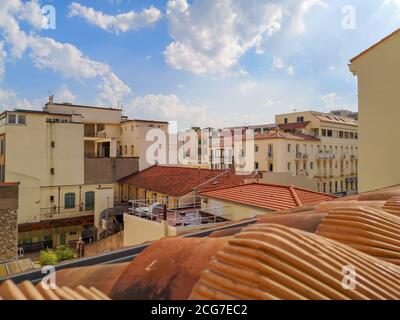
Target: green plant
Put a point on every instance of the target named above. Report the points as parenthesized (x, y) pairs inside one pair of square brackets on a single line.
[(47, 257), (64, 253)]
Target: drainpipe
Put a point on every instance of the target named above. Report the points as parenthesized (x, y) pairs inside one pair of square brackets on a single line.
[(165, 220), (59, 199)]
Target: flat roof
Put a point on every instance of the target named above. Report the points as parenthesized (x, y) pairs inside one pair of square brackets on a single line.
[(82, 106), (144, 120)]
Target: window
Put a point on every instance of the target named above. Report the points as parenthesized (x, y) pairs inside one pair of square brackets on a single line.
[(289, 166), (126, 149), (270, 150), (12, 118), (52, 171), (53, 144), (89, 200), (300, 119), (271, 167), (1, 146), (51, 198), (341, 135), (324, 132), (2, 173), (311, 165), (285, 120), (69, 200), (256, 148), (132, 150), (330, 133), (256, 166), (289, 147), (21, 119)]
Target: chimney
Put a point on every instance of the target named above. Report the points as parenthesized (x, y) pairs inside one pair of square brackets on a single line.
[(51, 99)]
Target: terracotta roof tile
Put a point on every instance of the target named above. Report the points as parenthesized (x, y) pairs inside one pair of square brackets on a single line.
[(294, 125), (179, 181), (268, 262), (27, 291), (267, 196), (277, 134)]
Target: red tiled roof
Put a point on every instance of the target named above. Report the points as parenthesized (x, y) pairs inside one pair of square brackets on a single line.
[(267, 196), (294, 125), (285, 135), (178, 181)]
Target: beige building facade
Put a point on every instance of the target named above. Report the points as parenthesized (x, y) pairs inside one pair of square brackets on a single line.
[(60, 156), (320, 146), (377, 70)]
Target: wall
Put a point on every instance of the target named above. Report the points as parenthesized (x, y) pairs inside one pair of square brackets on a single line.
[(8, 222), (33, 142), (379, 113), (103, 199), (237, 211), (138, 230), (113, 242), (287, 179), (109, 170)]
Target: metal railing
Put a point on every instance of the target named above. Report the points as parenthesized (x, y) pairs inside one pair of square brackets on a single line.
[(57, 212)]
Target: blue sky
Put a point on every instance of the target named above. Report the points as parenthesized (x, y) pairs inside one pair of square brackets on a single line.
[(201, 62)]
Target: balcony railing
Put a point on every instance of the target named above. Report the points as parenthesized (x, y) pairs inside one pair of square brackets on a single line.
[(62, 212)]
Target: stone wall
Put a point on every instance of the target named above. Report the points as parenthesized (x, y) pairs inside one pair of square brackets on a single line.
[(8, 221)]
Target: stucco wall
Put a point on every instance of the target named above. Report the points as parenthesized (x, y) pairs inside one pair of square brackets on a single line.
[(138, 230), (231, 209), (379, 113), (109, 170)]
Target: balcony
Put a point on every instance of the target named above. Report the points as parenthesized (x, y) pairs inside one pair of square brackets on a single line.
[(56, 212)]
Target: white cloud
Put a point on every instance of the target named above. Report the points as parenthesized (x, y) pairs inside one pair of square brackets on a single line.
[(387, 2), (278, 64), (64, 58), (3, 56), (211, 36), (162, 107), (64, 94), (119, 23), (297, 22), (9, 100)]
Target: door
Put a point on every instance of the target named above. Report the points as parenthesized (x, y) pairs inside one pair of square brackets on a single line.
[(89, 200)]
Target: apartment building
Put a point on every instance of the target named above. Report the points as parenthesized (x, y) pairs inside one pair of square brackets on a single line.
[(318, 145), (61, 157), (377, 70)]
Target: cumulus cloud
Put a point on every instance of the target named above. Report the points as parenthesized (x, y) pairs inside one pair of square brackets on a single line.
[(211, 36), (63, 58), (119, 23), (301, 9), (170, 107), (64, 94)]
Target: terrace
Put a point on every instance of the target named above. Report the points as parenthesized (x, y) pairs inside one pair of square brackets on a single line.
[(180, 218)]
